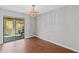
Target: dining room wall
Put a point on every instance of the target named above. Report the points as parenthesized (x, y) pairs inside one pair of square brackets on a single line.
[(28, 22), (60, 26)]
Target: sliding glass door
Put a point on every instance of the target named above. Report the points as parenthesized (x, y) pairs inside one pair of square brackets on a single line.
[(19, 29), (13, 29)]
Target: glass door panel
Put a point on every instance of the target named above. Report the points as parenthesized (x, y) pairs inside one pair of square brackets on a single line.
[(13, 29), (9, 30), (19, 33)]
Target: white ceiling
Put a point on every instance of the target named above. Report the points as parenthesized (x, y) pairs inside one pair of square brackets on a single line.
[(27, 8)]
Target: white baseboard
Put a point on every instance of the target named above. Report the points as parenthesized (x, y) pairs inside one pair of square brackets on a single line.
[(58, 44), (30, 36)]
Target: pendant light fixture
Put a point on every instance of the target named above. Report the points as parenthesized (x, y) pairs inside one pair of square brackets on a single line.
[(33, 12)]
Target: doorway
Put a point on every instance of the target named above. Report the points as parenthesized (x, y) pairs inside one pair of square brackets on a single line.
[(13, 28)]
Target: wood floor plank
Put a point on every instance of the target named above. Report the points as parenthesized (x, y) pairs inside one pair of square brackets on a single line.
[(32, 45)]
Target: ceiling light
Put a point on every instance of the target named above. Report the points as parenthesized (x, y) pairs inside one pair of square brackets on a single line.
[(33, 12)]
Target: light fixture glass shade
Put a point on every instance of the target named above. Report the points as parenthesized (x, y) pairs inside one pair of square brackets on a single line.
[(33, 11)]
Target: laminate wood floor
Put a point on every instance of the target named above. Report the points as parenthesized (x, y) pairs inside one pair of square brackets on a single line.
[(32, 45)]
